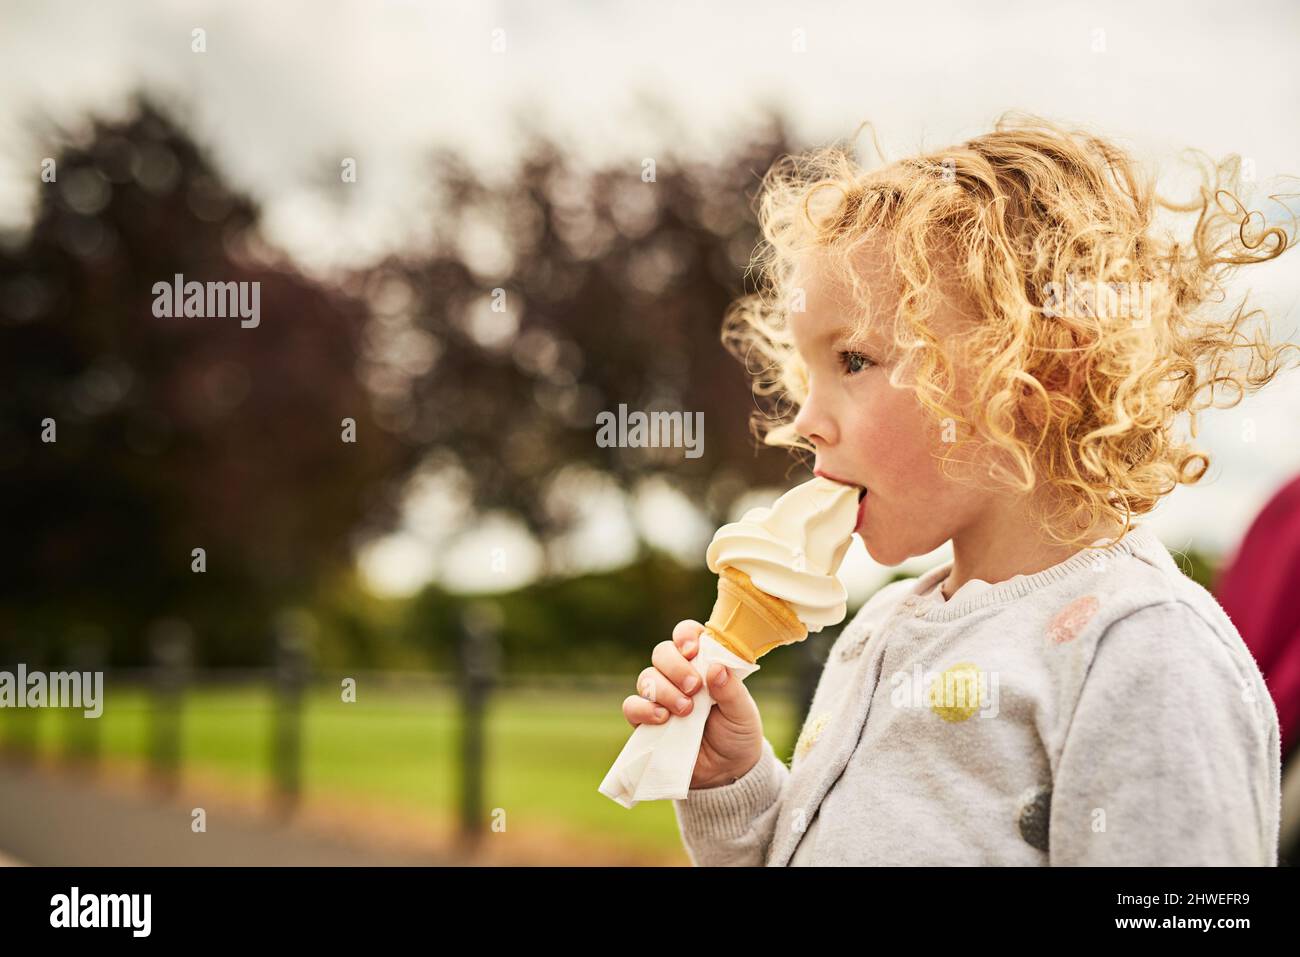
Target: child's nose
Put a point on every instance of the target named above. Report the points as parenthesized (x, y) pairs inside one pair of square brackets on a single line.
[(812, 425)]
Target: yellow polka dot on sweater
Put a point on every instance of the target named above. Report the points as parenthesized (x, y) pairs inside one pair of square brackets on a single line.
[(955, 694), (812, 730)]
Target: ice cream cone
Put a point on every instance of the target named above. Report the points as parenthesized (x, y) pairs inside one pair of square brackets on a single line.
[(776, 582), (749, 622)]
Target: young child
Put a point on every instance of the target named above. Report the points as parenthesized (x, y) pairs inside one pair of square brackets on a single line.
[(996, 340)]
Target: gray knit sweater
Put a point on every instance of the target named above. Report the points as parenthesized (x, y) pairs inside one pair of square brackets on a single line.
[(1102, 711)]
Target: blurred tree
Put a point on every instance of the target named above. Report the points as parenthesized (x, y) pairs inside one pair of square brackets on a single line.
[(172, 434), (540, 302), (562, 293)]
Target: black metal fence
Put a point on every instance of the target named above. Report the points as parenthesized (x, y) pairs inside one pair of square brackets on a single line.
[(478, 676)]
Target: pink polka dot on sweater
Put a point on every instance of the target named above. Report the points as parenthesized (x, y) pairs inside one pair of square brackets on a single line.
[(1071, 619)]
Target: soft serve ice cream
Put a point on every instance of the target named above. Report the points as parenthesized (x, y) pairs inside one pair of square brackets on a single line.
[(792, 550)]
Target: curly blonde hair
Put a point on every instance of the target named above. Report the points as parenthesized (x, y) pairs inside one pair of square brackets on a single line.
[(1034, 216)]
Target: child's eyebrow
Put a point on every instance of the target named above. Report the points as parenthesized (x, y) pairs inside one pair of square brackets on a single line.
[(845, 331), (833, 333)]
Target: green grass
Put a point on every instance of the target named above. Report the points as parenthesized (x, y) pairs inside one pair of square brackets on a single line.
[(546, 752)]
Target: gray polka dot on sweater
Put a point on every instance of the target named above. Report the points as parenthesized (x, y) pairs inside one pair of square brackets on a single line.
[(854, 647), (1033, 815)]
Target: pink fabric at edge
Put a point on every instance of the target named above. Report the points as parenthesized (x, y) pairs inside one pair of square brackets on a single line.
[(1259, 588)]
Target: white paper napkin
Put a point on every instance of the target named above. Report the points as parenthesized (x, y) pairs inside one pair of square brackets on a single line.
[(658, 760)]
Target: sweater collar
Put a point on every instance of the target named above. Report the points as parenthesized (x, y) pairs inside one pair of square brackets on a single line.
[(1139, 539)]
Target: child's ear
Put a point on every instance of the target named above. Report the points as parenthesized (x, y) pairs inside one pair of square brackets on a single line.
[(1068, 376), (1059, 381), (1069, 380)]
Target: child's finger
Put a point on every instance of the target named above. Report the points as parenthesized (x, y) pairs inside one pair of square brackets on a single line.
[(652, 684), (686, 636), (675, 667), (638, 710)]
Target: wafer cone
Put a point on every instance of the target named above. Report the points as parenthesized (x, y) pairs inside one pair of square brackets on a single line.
[(749, 622)]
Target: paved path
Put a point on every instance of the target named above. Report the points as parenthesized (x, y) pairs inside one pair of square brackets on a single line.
[(55, 819)]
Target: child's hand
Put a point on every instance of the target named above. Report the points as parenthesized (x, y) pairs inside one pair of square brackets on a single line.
[(733, 732)]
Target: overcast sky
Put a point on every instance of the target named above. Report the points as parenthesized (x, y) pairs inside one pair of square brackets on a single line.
[(286, 88)]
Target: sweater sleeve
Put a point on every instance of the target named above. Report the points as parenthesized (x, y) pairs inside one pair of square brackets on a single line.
[(1166, 758), (732, 825)]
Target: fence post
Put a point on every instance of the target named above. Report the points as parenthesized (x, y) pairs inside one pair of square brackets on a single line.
[(88, 655), (171, 646), (25, 735), (480, 655), (293, 639)]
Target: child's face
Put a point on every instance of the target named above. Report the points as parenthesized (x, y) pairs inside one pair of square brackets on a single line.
[(866, 431)]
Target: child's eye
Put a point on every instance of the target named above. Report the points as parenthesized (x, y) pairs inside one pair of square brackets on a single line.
[(853, 362)]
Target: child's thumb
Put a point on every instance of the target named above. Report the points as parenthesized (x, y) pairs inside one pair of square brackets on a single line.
[(725, 687)]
